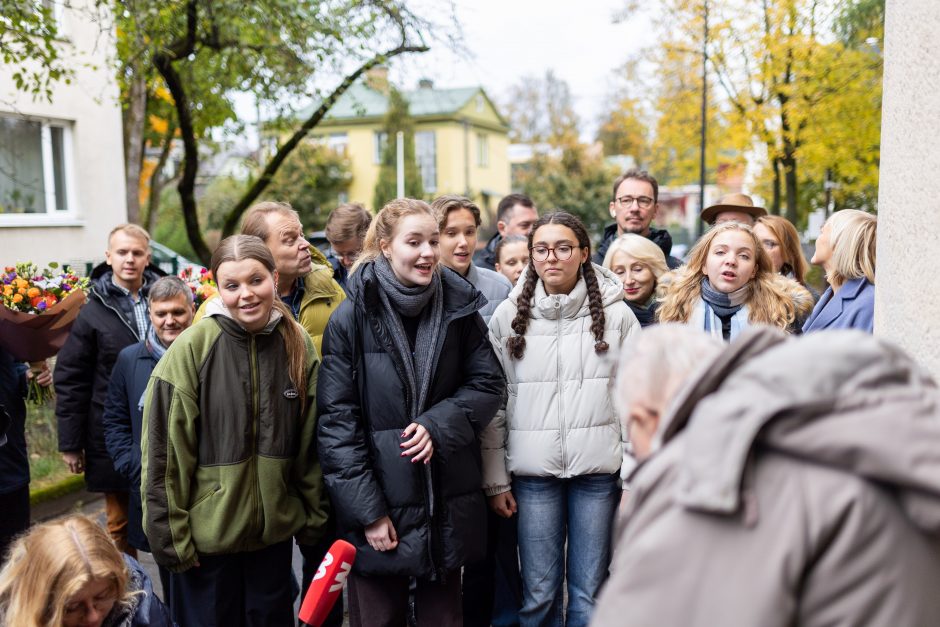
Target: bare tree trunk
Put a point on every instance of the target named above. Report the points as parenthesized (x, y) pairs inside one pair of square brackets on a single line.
[(775, 203), (134, 120), (789, 175), (157, 182)]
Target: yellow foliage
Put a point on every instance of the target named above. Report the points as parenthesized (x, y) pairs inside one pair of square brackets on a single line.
[(158, 124)]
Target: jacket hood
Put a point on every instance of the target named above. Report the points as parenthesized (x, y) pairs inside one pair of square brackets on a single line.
[(842, 399), (460, 298), (574, 304), (215, 308), (102, 285)]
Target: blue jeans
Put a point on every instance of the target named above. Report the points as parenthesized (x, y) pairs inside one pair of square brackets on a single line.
[(555, 513)]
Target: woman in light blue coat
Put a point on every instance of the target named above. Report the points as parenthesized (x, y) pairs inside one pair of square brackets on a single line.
[(846, 251)]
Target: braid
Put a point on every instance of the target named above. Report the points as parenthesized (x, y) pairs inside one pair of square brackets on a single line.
[(516, 343), (596, 305)]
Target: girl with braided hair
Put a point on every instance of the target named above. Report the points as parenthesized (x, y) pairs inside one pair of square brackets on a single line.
[(553, 454)]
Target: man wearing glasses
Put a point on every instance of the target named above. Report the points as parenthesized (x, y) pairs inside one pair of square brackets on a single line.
[(633, 207), (345, 231)]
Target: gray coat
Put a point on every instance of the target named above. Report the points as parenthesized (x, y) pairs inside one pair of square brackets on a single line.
[(805, 490), (493, 285)]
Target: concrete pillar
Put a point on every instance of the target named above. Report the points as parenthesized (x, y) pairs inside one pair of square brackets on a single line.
[(907, 284)]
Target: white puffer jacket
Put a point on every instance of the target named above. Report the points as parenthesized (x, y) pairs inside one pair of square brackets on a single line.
[(559, 420)]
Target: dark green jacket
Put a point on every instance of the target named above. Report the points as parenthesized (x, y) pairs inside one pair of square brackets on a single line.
[(229, 459)]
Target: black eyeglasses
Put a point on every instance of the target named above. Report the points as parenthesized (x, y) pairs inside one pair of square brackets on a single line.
[(562, 253), (643, 202)]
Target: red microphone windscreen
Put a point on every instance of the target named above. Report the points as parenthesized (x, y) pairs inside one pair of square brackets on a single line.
[(327, 584)]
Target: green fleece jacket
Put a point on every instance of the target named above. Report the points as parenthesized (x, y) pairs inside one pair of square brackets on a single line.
[(230, 458)]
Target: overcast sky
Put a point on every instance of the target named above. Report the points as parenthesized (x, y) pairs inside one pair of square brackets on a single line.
[(513, 38)]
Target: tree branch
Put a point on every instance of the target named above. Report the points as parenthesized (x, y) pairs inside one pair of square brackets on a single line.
[(232, 218)]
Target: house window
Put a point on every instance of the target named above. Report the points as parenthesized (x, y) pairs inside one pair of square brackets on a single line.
[(338, 142), (426, 158), (380, 143), (33, 168), (483, 150)]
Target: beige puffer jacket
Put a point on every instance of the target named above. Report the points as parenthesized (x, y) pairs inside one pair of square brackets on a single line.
[(559, 420)]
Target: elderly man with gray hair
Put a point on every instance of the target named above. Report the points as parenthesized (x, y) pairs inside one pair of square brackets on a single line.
[(171, 313), (781, 482)]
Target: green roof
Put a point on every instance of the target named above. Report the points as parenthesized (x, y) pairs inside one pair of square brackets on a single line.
[(361, 101)]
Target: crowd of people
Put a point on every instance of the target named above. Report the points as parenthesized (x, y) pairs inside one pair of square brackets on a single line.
[(456, 412)]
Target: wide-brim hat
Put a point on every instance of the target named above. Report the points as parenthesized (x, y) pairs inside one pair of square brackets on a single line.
[(732, 202)]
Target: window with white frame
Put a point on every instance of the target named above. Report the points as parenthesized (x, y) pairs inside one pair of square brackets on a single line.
[(33, 166), (483, 150), (380, 142), (426, 158), (338, 142)]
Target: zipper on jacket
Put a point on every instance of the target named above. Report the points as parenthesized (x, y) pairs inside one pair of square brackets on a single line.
[(120, 316), (255, 410), (561, 397)]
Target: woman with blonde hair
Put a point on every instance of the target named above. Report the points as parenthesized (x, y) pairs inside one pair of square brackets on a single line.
[(639, 263), (408, 382), (729, 284), (230, 468), (846, 251), (68, 573)]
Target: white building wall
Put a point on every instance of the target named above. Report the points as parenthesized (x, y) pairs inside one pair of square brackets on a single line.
[(94, 157), (907, 287)]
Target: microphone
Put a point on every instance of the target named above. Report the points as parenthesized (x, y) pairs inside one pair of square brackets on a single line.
[(327, 584)]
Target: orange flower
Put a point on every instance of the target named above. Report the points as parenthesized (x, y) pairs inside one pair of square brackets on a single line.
[(17, 298), (7, 290), (20, 283), (51, 300), (33, 292), (21, 291), (35, 300)]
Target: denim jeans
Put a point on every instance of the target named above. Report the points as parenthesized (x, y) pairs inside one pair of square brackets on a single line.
[(554, 515)]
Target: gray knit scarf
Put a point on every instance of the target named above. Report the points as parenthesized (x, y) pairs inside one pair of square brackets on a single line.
[(725, 304), (426, 301)]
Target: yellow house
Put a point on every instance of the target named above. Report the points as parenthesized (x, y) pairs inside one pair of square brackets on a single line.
[(461, 140)]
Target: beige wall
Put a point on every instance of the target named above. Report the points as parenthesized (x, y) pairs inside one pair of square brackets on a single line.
[(89, 106), (907, 292)]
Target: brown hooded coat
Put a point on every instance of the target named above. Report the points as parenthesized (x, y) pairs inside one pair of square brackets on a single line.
[(798, 484)]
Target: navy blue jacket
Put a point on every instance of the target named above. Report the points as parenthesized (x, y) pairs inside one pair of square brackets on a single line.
[(852, 307), (123, 418), (14, 464)]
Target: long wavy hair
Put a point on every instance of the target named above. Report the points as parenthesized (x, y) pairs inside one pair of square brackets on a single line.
[(516, 343), (49, 565), (768, 301), (241, 247), (793, 260)]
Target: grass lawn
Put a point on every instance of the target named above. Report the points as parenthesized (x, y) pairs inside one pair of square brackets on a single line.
[(46, 467)]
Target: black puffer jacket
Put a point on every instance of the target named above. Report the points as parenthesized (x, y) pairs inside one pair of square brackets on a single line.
[(660, 237), (82, 372), (439, 516)]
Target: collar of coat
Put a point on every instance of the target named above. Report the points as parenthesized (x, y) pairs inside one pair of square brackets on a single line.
[(460, 298), (575, 304), (842, 399)]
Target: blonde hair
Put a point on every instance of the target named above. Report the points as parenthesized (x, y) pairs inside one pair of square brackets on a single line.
[(256, 218), (768, 301), (241, 247), (793, 260), (133, 230), (384, 224), (852, 235), (49, 565), (641, 249)]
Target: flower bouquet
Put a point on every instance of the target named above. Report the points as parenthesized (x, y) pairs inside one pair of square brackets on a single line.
[(37, 314), (200, 281)]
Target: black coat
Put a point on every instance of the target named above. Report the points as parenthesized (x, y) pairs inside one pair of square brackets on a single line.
[(660, 237), (82, 371), (123, 419), (362, 412), (486, 256), (14, 463)]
